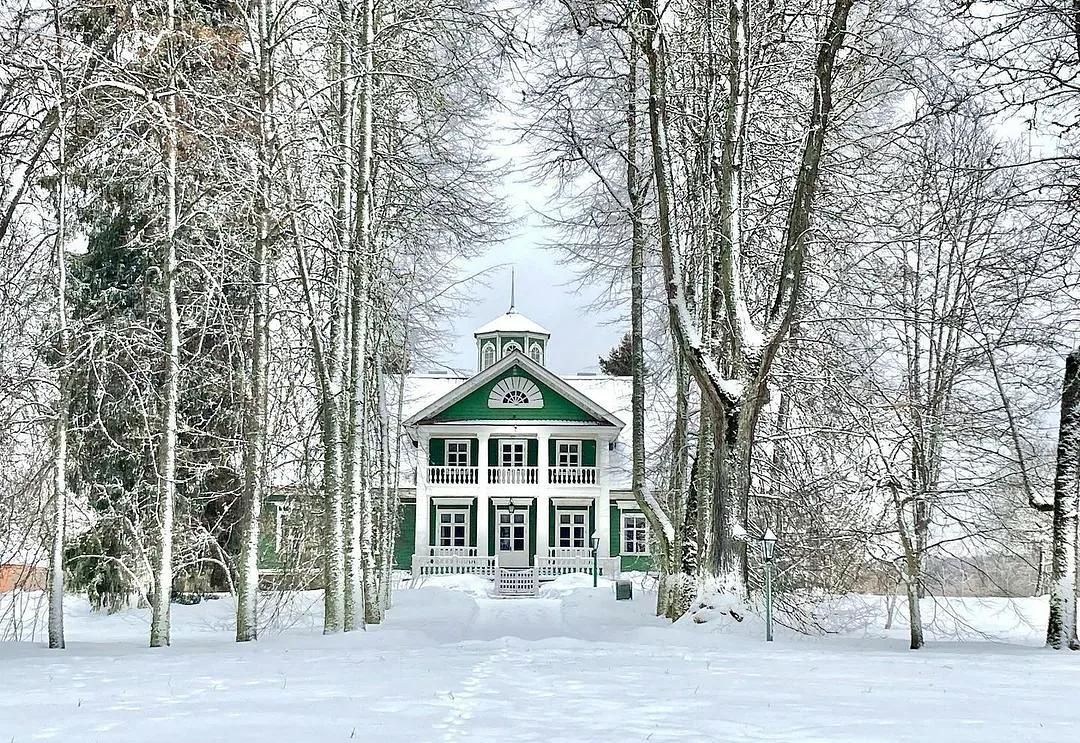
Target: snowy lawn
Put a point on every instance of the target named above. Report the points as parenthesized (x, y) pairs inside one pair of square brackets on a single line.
[(573, 665)]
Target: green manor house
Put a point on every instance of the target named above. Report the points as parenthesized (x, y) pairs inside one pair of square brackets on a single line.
[(518, 471)]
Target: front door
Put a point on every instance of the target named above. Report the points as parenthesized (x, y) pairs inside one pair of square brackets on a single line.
[(513, 537)]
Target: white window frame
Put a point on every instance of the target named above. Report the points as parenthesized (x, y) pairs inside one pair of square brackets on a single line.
[(576, 448), (451, 510), (468, 452), (536, 353), (584, 512), (506, 445), (484, 363), (644, 529), (510, 347)]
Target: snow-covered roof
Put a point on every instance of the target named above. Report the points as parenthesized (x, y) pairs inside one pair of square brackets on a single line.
[(511, 322)]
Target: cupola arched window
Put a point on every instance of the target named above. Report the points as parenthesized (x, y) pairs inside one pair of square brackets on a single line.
[(537, 354), (487, 356), (510, 347)]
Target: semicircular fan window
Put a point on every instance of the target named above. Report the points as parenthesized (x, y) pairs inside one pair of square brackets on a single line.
[(515, 392)]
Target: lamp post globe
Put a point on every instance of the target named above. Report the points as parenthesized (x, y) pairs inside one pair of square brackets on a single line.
[(594, 540), (768, 547)]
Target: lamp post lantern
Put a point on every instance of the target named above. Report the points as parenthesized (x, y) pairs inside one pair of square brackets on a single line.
[(595, 541), (768, 546)]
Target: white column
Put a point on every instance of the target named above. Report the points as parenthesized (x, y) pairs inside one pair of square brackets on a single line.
[(603, 500), (423, 503), (482, 496), (543, 502)]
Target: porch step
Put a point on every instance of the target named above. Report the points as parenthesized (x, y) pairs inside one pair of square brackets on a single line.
[(516, 582)]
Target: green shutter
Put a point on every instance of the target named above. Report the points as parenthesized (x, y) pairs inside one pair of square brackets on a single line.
[(437, 452), (493, 452), (472, 524), (532, 445), (532, 533), (474, 452), (616, 531), (553, 449), (405, 542), (588, 453)]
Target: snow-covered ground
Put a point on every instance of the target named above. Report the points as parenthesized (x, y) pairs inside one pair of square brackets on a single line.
[(453, 664)]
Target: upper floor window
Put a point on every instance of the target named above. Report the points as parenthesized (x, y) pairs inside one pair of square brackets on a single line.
[(457, 453), (510, 347), (536, 353), (569, 454), (487, 356), (515, 392)]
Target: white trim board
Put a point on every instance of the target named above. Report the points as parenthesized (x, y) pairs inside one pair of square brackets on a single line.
[(440, 500)]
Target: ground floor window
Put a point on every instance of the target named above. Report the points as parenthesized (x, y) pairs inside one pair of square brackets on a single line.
[(453, 528), (571, 528), (635, 533)]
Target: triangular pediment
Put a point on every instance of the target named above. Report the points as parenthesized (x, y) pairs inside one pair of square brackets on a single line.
[(515, 388)]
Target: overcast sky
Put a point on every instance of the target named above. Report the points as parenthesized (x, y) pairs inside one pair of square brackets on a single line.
[(545, 291)]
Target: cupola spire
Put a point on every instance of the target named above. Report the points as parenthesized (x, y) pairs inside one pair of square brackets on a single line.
[(511, 290)]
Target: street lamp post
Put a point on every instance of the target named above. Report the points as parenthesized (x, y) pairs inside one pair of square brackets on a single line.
[(768, 545), (595, 541)]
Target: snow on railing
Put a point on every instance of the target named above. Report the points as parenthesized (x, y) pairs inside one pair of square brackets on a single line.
[(572, 476), (512, 475), (552, 566), (442, 475), (454, 561)]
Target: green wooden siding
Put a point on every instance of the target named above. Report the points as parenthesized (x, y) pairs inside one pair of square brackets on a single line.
[(405, 543), (588, 453), (437, 450), (626, 562), (474, 405)]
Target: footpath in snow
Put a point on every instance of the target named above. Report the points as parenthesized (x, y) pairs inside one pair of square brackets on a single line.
[(573, 665)]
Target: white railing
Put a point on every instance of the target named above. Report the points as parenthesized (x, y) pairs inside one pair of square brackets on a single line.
[(441, 475), (516, 582), (512, 475), (572, 476), (454, 561), (554, 565)]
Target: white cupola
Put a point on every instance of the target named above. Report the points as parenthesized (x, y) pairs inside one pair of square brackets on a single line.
[(510, 332)]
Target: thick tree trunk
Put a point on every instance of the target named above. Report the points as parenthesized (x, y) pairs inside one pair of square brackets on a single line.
[(255, 415), (1061, 629)]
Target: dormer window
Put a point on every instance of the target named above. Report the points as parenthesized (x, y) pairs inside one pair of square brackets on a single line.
[(487, 356), (536, 354)]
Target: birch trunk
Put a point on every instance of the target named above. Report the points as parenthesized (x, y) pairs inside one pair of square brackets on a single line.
[(159, 624), (60, 454), (255, 417), (1061, 628), (335, 402)]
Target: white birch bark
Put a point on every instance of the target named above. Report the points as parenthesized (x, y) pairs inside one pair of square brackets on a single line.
[(60, 452), (163, 570), (255, 434), (1061, 627)]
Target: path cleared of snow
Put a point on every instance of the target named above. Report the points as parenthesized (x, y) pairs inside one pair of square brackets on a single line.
[(573, 665)]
